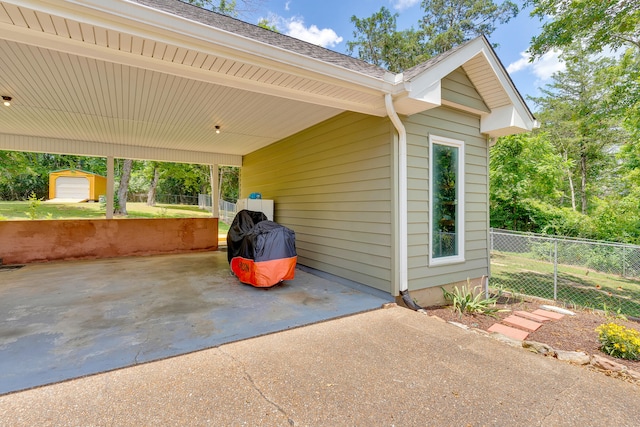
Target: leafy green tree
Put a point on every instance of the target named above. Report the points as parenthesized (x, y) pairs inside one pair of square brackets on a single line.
[(596, 24), (22, 172), (152, 171), (522, 168), (445, 24), (123, 186), (449, 23), (378, 42), (229, 183), (267, 25), (575, 111), (624, 78)]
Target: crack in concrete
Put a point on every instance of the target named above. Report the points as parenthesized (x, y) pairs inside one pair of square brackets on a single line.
[(556, 400), (142, 344), (274, 404), (256, 388)]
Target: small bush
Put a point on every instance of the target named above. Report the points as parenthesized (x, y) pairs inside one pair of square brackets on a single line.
[(619, 341), (33, 210), (467, 300)]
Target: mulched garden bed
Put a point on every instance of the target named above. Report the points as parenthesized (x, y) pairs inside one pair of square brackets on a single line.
[(571, 333)]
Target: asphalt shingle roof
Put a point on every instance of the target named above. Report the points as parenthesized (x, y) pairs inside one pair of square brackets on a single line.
[(236, 26)]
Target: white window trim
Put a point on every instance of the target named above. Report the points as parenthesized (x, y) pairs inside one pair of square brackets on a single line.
[(460, 226)]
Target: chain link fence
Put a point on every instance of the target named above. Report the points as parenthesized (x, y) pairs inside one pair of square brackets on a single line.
[(576, 272), (226, 210), (169, 199)]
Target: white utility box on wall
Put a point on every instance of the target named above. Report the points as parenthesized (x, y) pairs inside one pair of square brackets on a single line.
[(258, 205)]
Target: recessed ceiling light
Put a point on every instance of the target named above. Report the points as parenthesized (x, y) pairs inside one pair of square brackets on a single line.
[(7, 100), (217, 129)]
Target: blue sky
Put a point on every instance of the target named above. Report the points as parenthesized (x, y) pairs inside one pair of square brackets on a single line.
[(328, 23)]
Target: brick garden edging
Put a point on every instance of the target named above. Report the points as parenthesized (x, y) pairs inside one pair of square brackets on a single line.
[(598, 362)]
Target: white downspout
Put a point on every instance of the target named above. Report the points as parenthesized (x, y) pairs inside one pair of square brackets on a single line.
[(403, 237)]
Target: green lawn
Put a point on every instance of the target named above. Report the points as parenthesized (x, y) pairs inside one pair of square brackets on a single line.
[(576, 285), (44, 210)]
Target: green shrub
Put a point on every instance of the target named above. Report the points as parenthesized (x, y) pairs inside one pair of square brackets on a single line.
[(467, 300), (619, 341), (34, 206)]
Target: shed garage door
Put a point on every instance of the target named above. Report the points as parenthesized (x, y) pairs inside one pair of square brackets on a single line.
[(68, 187)]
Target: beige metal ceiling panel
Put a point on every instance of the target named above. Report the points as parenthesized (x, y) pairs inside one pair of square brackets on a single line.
[(86, 99), (4, 15), (88, 34), (30, 18), (15, 15), (74, 30)]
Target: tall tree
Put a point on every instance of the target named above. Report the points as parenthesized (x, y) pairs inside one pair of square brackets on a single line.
[(445, 24), (378, 42), (448, 23), (596, 24), (228, 183), (576, 112), (153, 185), (522, 168), (123, 186)]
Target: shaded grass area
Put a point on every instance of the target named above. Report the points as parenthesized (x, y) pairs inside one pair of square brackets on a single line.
[(577, 286), (17, 211)]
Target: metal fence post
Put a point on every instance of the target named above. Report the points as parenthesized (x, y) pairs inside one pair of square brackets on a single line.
[(491, 240), (555, 269)]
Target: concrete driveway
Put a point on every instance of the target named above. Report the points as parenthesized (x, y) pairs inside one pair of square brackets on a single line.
[(386, 367), (64, 320)]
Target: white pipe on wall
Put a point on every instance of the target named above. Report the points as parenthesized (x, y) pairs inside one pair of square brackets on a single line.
[(402, 193)]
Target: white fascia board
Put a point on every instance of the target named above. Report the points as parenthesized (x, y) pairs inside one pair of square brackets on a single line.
[(504, 121), (416, 101), (445, 67), (516, 100), (126, 16)]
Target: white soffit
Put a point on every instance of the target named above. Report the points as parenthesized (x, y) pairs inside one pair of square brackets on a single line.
[(72, 79)]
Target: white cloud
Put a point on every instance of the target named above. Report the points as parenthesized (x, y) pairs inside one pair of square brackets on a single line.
[(543, 68), (286, 5), (404, 4), (295, 27)]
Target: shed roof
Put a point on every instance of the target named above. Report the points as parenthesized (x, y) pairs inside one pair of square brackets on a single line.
[(151, 79), (60, 171)]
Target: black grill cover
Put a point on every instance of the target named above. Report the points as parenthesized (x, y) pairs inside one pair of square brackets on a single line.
[(261, 252), (242, 224)]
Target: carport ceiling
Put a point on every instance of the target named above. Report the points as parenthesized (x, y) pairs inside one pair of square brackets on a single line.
[(120, 72)]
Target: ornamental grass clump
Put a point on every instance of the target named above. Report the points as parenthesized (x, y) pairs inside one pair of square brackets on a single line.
[(466, 300), (619, 341)]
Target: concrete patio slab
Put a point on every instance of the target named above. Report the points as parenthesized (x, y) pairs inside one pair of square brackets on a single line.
[(63, 320)]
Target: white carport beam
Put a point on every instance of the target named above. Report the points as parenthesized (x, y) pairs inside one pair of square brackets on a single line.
[(109, 195), (215, 193)]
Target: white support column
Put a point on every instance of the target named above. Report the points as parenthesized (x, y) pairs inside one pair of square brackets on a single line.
[(110, 185), (215, 192)]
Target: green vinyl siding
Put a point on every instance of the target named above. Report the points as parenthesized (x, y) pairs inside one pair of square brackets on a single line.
[(455, 124), (332, 185), (457, 88)]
